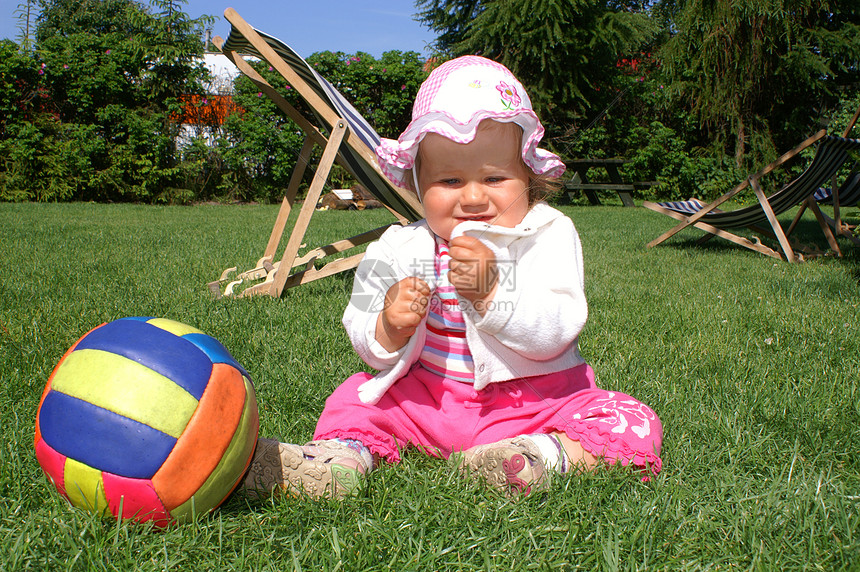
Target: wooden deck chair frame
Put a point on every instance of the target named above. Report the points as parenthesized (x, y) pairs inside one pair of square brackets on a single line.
[(764, 211), (840, 228), (845, 195), (340, 139)]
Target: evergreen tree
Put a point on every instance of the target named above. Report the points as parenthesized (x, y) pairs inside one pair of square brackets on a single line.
[(758, 74), (450, 19), (564, 51), (26, 15)]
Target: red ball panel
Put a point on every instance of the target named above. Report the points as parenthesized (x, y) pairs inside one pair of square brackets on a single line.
[(136, 497), (53, 463)]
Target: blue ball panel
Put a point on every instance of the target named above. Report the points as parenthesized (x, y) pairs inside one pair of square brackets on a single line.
[(172, 356), (213, 348), (101, 438)]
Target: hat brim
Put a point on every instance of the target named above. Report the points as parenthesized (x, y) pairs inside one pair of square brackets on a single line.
[(395, 157)]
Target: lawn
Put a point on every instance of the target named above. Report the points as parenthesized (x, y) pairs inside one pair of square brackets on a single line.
[(752, 364)]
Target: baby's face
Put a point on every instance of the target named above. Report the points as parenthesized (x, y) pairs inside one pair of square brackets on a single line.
[(484, 180)]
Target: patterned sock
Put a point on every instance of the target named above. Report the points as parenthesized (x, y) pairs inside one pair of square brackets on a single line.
[(359, 448), (553, 453)]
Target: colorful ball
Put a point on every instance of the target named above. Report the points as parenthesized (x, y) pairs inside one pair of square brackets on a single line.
[(147, 419)]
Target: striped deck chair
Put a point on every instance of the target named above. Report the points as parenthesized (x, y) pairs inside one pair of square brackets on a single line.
[(847, 195), (831, 153), (344, 136)]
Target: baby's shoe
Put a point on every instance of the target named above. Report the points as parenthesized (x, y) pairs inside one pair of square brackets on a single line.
[(514, 466), (317, 469)]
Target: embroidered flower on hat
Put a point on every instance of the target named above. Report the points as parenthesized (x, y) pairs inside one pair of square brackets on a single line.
[(510, 97)]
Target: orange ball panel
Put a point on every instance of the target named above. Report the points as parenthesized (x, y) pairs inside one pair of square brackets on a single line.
[(202, 444)]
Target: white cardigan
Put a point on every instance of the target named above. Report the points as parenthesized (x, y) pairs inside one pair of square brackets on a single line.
[(531, 326)]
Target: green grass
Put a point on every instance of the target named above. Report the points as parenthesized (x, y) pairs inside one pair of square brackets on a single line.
[(752, 365)]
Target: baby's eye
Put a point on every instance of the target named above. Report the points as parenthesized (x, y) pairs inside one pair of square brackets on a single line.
[(450, 182), (497, 179)]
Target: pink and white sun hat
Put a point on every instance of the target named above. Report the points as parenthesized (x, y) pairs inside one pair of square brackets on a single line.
[(453, 100)]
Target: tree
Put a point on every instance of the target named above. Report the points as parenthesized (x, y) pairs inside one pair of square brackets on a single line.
[(450, 19), (758, 74), (259, 146), (173, 48), (26, 14), (20, 95), (65, 18), (110, 72), (564, 51), (381, 90)]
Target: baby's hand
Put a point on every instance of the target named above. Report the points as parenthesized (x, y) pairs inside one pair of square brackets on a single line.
[(405, 306), (473, 271)]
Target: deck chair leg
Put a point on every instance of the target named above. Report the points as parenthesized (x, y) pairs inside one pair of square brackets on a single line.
[(832, 152), (289, 198), (825, 228), (796, 220), (669, 233), (314, 192), (774, 223), (739, 240), (843, 230), (837, 216), (693, 219)]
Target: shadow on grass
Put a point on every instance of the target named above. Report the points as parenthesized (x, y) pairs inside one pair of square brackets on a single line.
[(807, 234)]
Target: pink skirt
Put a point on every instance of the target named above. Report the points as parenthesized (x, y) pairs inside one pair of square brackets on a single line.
[(441, 416)]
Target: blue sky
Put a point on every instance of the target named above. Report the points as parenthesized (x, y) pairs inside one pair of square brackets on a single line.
[(308, 26)]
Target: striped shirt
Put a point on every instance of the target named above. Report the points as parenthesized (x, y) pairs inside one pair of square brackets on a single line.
[(446, 351)]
